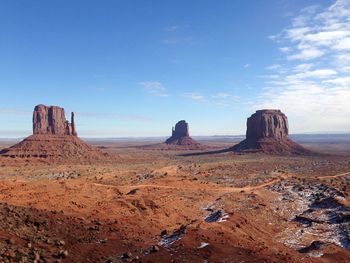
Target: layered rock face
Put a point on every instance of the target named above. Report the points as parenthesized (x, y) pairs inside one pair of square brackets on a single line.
[(52, 120), (267, 131), (54, 139), (181, 129), (180, 135), (267, 124)]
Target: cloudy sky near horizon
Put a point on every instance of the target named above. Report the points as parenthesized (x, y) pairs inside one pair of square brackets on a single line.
[(132, 68)]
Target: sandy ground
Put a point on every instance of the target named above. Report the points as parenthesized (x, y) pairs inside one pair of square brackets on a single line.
[(154, 205)]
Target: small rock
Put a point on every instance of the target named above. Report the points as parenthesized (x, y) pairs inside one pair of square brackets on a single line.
[(36, 256), (127, 255), (60, 243), (64, 254), (154, 249)]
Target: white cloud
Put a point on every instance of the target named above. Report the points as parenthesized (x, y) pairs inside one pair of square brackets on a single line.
[(303, 67), (246, 65), (154, 88), (343, 44), (344, 82), (316, 94), (221, 95), (221, 99), (297, 33), (306, 54), (318, 73), (194, 96), (315, 33), (274, 66), (172, 28), (285, 49)]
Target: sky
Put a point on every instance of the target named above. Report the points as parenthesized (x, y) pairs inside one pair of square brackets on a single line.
[(135, 68)]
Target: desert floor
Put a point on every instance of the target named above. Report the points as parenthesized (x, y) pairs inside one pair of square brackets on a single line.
[(156, 205)]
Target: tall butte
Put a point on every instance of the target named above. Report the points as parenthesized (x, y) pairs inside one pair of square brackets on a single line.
[(54, 138), (267, 131), (180, 136), (52, 120)]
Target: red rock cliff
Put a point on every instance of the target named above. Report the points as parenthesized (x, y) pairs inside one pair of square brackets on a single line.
[(52, 120)]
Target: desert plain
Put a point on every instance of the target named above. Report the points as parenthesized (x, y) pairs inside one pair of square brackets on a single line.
[(149, 204)]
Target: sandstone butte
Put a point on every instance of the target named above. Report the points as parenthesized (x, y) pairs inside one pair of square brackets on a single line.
[(52, 120), (54, 139), (268, 131), (180, 136)]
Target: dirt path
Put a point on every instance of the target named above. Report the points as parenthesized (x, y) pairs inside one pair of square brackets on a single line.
[(335, 175), (217, 189)]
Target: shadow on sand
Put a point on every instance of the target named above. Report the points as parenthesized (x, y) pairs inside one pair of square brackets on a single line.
[(207, 152)]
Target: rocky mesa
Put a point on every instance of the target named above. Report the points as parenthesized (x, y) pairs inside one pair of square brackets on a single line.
[(180, 136), (54, 139), (52, 120), (267, 131)]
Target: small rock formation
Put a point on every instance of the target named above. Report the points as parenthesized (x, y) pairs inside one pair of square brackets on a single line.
[(267, 131), (52, 120), (181, 129), (180, 135), (54, 139)]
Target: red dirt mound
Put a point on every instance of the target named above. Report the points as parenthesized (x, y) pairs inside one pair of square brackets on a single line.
[(54, 147)]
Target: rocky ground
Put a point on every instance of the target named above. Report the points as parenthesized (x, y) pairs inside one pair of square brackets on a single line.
[(160, 206)]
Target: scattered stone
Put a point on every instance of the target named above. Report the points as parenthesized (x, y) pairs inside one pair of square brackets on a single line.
[(203, 245), (154, 249), (216, 216), (127, 255), (168, 240), (133, 191), (315, 245)]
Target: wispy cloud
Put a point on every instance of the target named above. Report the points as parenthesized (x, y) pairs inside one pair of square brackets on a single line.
[(313, 85), (172, 28), (315, 33), (221, 98), (194, 96), (176, 34), (285, 49), (14, 112), (246, 65), (274, 66), (154, 88), (112, 115), (178, 40)]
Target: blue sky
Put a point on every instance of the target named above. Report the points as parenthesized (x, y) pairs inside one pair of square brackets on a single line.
[(134, 68)]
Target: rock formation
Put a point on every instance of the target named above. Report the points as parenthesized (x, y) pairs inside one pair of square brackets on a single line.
[(52, 120), (54, 138), (180, 136), (267, 131)]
